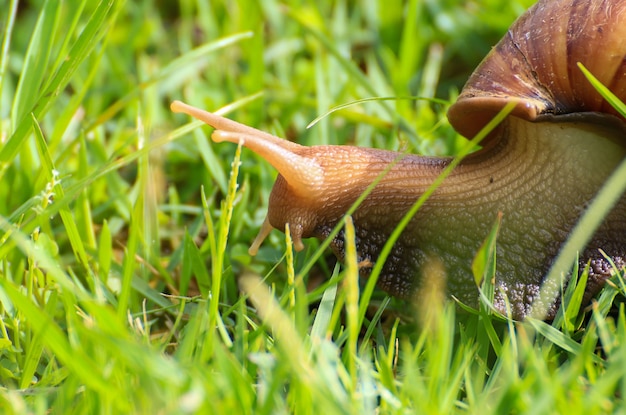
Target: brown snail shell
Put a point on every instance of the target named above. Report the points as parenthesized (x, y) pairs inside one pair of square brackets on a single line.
[(536, 64)]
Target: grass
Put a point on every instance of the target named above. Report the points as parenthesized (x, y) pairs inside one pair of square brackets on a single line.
[(125, 282)]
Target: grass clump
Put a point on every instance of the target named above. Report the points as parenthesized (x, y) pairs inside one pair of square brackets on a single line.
[(125, 283)]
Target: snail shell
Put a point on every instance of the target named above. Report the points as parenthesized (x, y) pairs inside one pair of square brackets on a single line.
[(536, 64)]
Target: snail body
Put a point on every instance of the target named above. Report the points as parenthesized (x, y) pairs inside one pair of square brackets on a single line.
[(539, 168)]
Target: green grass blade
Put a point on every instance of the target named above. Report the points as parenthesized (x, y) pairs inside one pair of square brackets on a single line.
[(52, 174), (604, 91), (86, 42), (321, 323), (351, 286), (105, 252), (36, 61), (130, 261), (6, 42)]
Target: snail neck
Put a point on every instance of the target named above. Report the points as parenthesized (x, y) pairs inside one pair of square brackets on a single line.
[(534, 164), (540, 176)]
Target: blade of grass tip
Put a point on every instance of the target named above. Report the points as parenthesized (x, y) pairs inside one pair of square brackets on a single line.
[(484, 270), (592, 218), (571, 318), (322, 319), (484, 262), (606, 334), (6, 43), (469, 146), (606, 299)]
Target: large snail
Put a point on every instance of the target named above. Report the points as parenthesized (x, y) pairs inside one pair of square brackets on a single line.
[(540, 167)]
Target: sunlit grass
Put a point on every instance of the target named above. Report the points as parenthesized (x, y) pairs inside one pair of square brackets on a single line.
[(126, 285)]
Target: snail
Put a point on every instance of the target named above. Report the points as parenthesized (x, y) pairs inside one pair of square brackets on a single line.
[(539, 168)]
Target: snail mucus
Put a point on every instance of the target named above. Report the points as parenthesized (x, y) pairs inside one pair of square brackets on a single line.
[(539, 168)]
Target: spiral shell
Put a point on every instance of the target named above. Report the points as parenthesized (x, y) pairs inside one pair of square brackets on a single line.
[(536, 64)]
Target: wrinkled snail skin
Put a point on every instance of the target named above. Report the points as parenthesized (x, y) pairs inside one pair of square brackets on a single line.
[(517, 178), (540, 168)]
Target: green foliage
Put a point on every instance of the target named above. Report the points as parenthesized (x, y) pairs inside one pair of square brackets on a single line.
[(125, 282)]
